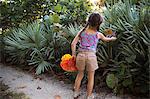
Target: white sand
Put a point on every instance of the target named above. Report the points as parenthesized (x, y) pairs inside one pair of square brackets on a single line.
[(23, 82), (46, 88)]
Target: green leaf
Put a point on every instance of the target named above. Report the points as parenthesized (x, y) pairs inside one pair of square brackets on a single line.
[(42, 67), (131, 58), (55, 18), (58, 8), (111, 80), (127, 82)]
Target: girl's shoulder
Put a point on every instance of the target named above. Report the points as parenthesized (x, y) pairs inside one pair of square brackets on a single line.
[(99, 34)]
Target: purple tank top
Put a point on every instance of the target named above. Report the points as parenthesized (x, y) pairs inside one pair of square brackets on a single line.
[(88, 42)]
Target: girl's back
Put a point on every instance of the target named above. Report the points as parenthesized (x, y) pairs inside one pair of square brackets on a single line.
[(88, 40)]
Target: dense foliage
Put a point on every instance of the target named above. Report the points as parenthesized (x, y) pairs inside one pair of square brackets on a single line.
[(126, 60), (124, 63), (19, 12), (13, 13), (37, 44)]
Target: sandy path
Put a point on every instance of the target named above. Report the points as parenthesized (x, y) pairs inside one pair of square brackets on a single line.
[(33, 88), (46, 88)]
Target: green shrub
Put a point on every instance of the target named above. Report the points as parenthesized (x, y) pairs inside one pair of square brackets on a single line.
[(36, 44), (14, 13), (127, 57)]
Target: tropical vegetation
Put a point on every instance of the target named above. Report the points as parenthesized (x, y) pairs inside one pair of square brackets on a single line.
[(124, 63), (126, 60)]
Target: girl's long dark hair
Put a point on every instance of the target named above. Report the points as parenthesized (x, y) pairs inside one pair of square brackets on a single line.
[(94, 20)]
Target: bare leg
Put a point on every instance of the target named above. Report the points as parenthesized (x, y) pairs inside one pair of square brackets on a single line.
[(78, 80), (90, 82)]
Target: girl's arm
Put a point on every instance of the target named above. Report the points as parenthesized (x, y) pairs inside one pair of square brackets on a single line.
[(102, 37), (73, 44)]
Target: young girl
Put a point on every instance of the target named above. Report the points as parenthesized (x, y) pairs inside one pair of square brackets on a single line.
[(86, 58)]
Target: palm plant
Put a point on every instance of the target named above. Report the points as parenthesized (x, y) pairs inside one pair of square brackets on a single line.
[(13, 46), (71, 31), (25, 42), (56, 44), (53, 48), (37, 44), (130, 51), (146, 39)]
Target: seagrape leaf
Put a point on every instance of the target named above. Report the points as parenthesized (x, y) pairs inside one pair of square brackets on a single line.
[(57, 8), (111, 80), (55, 18), (127, 82)]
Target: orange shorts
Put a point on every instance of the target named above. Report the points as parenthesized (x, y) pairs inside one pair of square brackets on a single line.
[(86, 60)]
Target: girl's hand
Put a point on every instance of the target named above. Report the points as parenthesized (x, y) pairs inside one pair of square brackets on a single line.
[(113, 38)]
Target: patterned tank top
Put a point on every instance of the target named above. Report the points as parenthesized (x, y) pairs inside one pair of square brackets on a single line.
[(88, 42)]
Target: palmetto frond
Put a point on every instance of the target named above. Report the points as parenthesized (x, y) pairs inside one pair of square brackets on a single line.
[(74, 29), (29, 44), (131, 50), (145, 36), (71, 31)]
